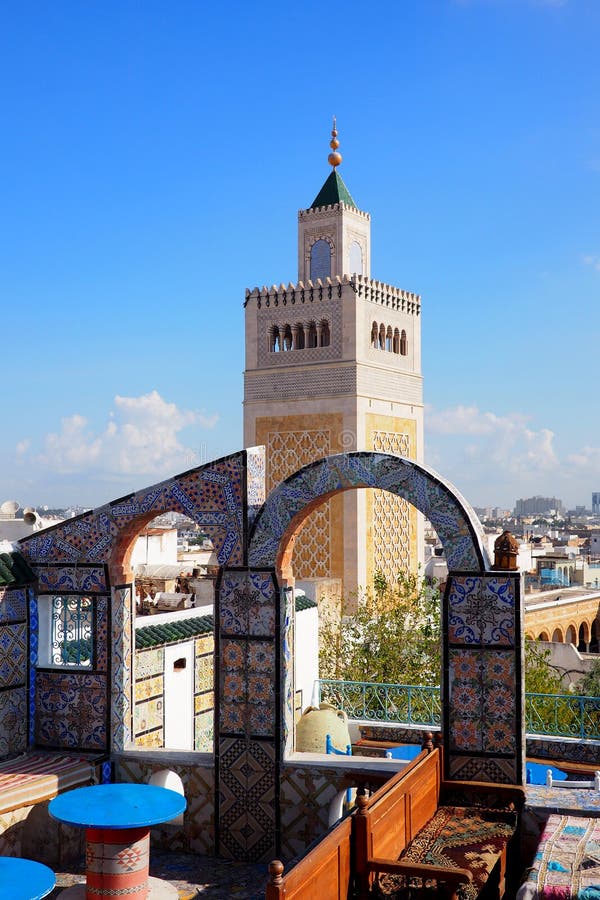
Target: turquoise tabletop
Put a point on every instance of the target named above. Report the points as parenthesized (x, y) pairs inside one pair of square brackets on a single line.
[(117, 806), (23, 879)]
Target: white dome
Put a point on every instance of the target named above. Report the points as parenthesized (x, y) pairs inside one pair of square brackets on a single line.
[(9, 507)]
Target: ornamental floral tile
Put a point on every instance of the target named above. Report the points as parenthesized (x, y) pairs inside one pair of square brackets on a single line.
[(262, 720), (499, 736), (498, 668), (261, 689), (233, 654), (467, 698), (261, 656), (233, 717), (499, 703), (465, 734)]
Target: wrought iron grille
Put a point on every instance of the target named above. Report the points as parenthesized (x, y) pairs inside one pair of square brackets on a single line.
[(556, 715), (72, 631)]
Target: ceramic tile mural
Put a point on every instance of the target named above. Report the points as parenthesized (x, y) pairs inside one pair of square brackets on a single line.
[(211, 495), (80, 579), (247, 799), (306, 796), (484, 733), (13, 605), (13, 655), (13, 721), (455, 523), (71, 710), (101, 635), (122, 665)]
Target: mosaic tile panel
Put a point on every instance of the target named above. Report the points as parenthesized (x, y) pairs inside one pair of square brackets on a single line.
[(197, 834), (306, 795), (149, 663), (247, 603), (149, 687), (204, 732), (247, 800), (33, 661), (120, 709), (13, 721), (76, 579), (71, 710), (481, 612), (497, 770), (101, 635), (483, 725), (287, 671), (204, 666), (255, 487), (211, 495), (13, 605), (151, 739), (455, 523), (247, 687), (148, 716), (13, 655)]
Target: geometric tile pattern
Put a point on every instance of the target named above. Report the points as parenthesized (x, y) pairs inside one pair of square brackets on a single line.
[(247, 799), (122, 668), (33, 661), (211, 495), (247, 711), (288, 451), (457, 526), (484, 722), (391, 515), (13, 605), (13, 721), (13, 655), (70, 710), (306, 795)]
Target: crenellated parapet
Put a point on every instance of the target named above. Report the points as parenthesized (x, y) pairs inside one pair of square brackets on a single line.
[(332, 288), (322, 212)]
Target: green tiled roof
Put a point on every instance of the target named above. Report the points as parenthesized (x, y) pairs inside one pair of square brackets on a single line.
[(14, 570), (333, 191), (184, 629), (171, 632), (303, 602)]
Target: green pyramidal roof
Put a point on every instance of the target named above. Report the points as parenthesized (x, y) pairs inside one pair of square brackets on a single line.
[(333, 191)]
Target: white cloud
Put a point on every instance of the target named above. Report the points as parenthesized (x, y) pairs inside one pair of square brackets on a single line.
[(591, 259), (141, 437)]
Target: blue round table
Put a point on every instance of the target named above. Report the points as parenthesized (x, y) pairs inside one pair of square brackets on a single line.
[(24, 879), (117, 818)]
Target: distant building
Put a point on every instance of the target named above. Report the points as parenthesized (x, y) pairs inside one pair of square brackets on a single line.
[(596, 503), (539, 506)]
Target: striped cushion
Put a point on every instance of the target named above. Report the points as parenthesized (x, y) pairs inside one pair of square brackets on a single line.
[(34, 777)]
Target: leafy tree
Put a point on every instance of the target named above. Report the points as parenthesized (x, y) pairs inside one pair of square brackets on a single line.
[(540, 675), (392, 636), (589, 686)]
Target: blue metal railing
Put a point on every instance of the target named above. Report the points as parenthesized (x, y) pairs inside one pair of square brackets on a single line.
[(557, 715)]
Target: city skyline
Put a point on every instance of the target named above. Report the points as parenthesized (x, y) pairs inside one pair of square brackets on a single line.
[(154, 163)]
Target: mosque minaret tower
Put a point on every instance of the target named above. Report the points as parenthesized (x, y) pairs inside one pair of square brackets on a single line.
[(333, 364)]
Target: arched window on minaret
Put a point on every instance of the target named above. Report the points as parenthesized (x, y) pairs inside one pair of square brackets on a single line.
[(403, 344), (312, 334), (287, 338), (325, 333), (374, 336), (388, 339), (382, 337), (356, 259), (300, 342), (320, 260), (274, 340), (396, 347)]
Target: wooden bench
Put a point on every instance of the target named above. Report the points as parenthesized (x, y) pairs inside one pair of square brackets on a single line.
[(417, 830), (323, 874)]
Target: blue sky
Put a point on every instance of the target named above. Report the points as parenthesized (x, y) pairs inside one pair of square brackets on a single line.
[(154, 156)]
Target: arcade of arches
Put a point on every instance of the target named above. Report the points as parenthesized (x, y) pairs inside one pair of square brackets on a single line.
[(575, 621)]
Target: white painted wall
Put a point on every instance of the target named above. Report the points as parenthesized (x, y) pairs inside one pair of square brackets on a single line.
[(306, 657), (179, 697), (155, 549)]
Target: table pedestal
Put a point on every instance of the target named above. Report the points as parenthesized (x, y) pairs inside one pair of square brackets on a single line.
[(116, 865)]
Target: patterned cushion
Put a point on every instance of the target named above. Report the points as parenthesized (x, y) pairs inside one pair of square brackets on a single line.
[(456, 837), (34, 777), (567, 862)]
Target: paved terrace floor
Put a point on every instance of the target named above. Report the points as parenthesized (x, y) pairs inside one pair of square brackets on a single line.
[(202, 877)]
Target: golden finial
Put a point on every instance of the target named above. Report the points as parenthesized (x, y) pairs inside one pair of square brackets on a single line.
[(334, 158)]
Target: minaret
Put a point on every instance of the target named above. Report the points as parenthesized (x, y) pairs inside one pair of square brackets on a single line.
[(333, 364)]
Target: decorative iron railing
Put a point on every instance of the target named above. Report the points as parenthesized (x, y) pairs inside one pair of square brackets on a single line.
[(555, 715)]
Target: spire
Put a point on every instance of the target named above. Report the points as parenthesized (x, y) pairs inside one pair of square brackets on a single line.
[(334, 190), (334, 158)]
